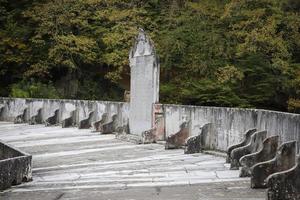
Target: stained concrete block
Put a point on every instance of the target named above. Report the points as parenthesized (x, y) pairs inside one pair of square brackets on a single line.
[(15, 166), (268, 152), (149, 136), (159, 122), (285, 159), (14, 110), (256, 144), (178, 139), (246, 140), (285, 185)]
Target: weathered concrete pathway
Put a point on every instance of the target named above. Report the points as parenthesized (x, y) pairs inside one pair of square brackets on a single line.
[(77, 164)]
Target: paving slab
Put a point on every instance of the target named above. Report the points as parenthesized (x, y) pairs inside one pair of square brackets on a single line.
[(79, 164)]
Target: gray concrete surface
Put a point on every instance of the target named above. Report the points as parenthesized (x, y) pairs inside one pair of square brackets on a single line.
[(77, 164)]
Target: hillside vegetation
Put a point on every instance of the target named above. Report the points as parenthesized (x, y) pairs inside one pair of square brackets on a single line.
[(241, 53)]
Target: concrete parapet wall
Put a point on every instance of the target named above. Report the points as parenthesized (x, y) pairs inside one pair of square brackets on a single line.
[(228, 124), (15, 166), (78, 113), (231, 123)]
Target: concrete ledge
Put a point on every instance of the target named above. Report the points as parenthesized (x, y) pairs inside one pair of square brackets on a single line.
[(246, 140), (285, 159), (266, 153), (284, 185), (255, 145), (15, 166)]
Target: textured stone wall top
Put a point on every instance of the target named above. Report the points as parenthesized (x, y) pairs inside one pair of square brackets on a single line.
[(231, 123)]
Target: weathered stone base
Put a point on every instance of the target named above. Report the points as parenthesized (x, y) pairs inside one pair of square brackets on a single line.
[(149, 137), (193, 145), (15, 166), (129, 138)]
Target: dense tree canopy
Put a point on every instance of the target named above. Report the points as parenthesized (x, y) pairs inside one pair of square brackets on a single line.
[(212, 52)]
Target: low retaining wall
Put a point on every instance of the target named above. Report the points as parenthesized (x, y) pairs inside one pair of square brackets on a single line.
[(80, 113), (231, 123), (228, 124), (15, 166)]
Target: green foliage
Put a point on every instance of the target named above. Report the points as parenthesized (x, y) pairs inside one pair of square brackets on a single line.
[(33, 90), (212, 52)]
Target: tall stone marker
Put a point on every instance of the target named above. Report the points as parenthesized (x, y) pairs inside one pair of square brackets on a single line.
[(144, 84)]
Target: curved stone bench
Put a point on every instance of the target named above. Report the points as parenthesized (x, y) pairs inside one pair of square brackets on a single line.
[(68, 110), (98, 124), (266, 153), (178, 139), (246, 140), (196, 144), (285, 159), (35, 112), (285, 185), (53, 119), (255, 145), (86, 123), (110, 127), (22, 118)]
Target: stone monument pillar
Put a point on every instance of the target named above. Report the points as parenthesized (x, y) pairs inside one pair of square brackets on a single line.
[(144, 84)]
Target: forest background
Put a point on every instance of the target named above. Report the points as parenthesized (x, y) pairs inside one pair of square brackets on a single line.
[(237, 53)]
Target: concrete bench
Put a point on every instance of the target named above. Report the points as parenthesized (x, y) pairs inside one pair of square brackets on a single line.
[(246, 140), (285, 185), (255, 145), (266, 153), (285, 159), (110, 126), (198, 143), (178, 139)]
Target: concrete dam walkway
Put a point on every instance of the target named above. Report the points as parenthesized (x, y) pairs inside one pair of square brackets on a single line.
[(76, 164)]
